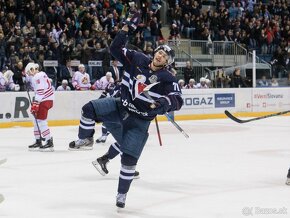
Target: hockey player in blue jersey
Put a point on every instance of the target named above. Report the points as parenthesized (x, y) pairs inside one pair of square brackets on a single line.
[(128, 117)]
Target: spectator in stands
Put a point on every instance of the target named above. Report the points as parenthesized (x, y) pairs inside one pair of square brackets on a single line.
[(274, 82), (221, 80), (32, 33), (102, 83), (66, 73), (181, 84), (202, 84), (191, 84), (18, 75), (81, 80), (174, 32), (3, 45), (188, 72), (148, 49), (116, 71), (263, 82), (28, 29), (99, 54), (64, 86), (279, 63), (237, 81), (155, 28)]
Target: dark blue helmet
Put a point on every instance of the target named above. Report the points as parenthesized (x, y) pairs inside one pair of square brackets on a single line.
[(169, 51)]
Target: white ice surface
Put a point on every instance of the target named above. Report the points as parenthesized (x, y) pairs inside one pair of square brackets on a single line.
[(221, 169)]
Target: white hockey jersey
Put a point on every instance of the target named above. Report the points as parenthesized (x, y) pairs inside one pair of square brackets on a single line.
[(102, 83), (7, 85), (81, 80), (42, 87), (2, 83)]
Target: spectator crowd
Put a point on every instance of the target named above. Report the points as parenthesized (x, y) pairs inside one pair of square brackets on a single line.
[(35, 31), (263, 26)]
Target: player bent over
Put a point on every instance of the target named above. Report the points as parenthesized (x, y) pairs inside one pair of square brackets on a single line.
[(128, 117), (43, 101)]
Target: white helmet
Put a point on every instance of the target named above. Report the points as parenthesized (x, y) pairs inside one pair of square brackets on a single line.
[(202, 79), (29, 67), (8, 74), (36, 66)]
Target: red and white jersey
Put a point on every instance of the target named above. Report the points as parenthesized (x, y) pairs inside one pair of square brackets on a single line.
[(2, 83), (81, 81), (103, 83), (201, 86), (6, 85), (42, 87)]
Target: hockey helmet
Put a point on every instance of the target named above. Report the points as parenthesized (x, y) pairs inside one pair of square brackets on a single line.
[(29, 67), (202, 79), (36, 66), (169, 51)]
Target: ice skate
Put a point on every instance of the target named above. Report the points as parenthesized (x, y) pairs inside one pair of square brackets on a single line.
[(101, 164), (120, 200), (82, 144), (288, 181), (48, 146), (102, 139), (35, 146)]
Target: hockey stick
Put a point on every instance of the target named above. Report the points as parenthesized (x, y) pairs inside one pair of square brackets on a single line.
[(37, 125), (158, 131), (145, 91), (231, 116), (176, 125)]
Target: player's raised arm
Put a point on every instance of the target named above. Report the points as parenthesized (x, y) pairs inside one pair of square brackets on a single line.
[(117, 47)]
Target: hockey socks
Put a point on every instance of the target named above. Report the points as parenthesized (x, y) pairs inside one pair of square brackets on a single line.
[(114, 150)]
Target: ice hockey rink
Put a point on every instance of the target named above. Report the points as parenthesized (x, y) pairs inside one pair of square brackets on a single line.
[(224, 170)]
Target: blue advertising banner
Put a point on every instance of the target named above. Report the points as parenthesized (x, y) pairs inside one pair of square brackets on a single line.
[(224, 100)]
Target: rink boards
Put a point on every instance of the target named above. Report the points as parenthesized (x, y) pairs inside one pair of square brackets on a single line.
[(198, 104)]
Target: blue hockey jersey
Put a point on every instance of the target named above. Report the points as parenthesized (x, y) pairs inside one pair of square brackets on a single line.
[(138, 75)]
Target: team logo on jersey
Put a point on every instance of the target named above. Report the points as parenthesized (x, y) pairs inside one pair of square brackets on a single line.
[(140, 84), (85, 80), (153, 79)]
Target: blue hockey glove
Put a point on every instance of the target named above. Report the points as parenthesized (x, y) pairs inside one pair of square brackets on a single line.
[(161, 106), (133, 19)]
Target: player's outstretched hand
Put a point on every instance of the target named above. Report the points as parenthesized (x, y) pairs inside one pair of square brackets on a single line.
[(133, 19)]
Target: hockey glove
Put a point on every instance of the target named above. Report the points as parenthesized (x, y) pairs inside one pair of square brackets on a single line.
[(160, 106), (93, 87), (34, 108), (77, 87), (133, 19)]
